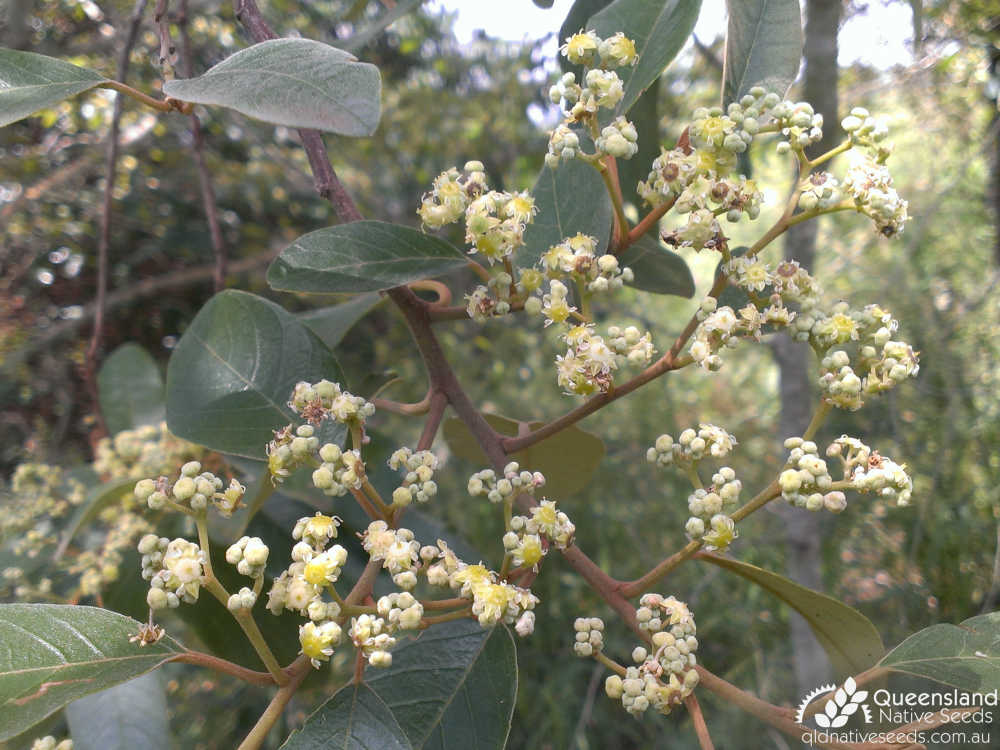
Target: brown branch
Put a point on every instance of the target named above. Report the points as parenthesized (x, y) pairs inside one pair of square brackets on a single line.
[(700, 728), (297, 673), (104, 238), (226, 667), (324, 176), (669, 361), (208, 200), (439, 402), (168, 53)]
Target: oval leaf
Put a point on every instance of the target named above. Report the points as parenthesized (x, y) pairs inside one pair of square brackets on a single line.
[(298, 83), (130, 389), (763, 46), (965, 656), (125, 717), (363, 256), (30, 82), (453, 687), (570, 199), (659, 29), (233, 371), (353, 719), (849, 638), (657, 269), (53, 654), (562, 477)]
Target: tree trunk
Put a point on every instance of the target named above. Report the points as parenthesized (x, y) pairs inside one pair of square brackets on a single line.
[(803, 535)]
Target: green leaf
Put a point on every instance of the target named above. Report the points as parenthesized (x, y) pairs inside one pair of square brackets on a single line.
[(97, 500), (130, 388), (298, 83), (30, 82), (124, 717), (562, 477), (332, 323), (965, 656), (363, 256), (659, 29), (353, 719), (763, 46), (570, 199), (657, 269), (453, 687), (849, 638), (53, 654), (233, 371)]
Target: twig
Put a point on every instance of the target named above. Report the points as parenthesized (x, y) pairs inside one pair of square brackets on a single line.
[(700, 728), (168, 52), (226, 667), (439, 402), (324, 176), (208, 200), (297, 673), (104, 238)]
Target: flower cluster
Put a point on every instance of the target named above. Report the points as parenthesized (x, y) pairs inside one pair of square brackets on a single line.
[(173, 569), (371, 637), (822, 190), (882, 361), (870, 185), (664, 678), (548, 520), (576, 258), (494, 221), (146, 451), (513, 482), (318, 639), (418, 483), (867, 471), (719, 327), (492, 600), (288, 450), (315, 402), (400, 611), (192, 491), (691, 445), (451, 194), (524, 539), (601, 88), (396, 548), (590, 361), (249, 555), (806, 482), (314, 569), (710, 509), (339, 472), (589, 637), (868, 132)]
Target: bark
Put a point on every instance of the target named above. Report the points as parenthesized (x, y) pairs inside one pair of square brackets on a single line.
[(803, 533)]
